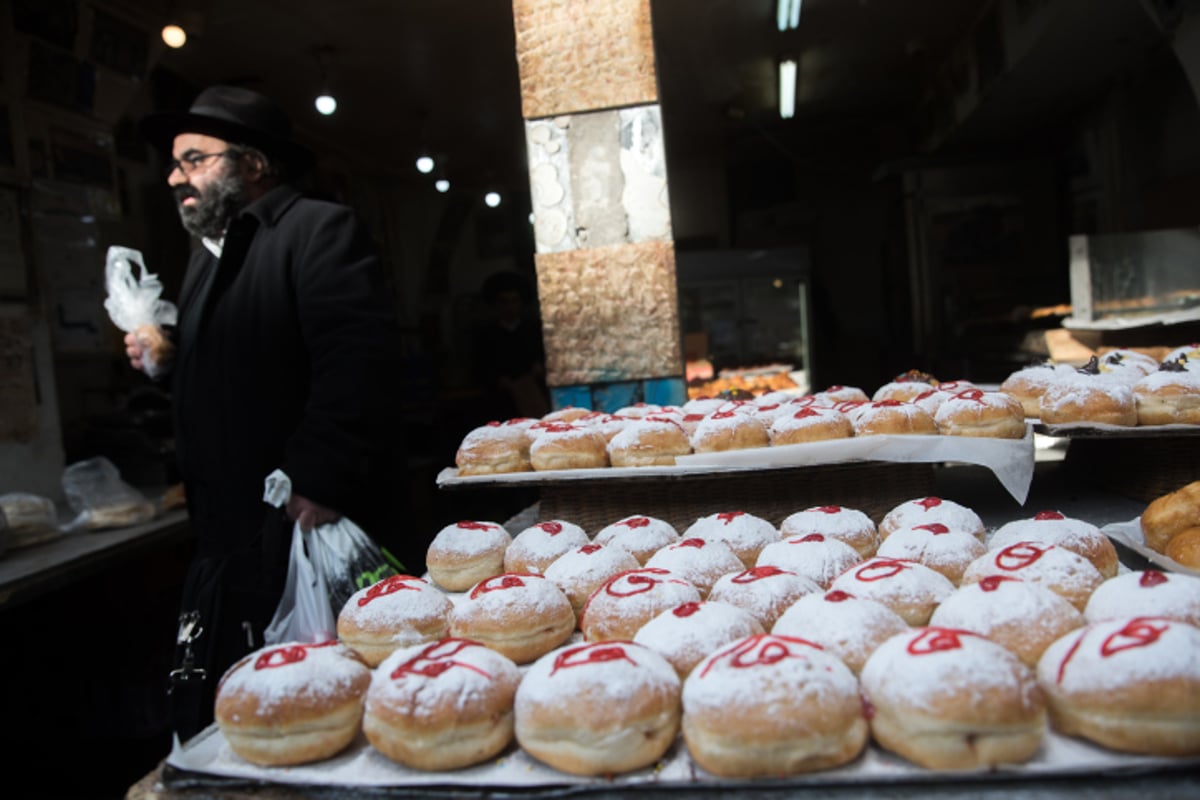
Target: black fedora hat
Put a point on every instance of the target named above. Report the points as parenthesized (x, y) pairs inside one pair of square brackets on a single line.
[(236, 115)]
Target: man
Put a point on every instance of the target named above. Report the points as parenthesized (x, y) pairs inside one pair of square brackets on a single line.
[(282, 359)]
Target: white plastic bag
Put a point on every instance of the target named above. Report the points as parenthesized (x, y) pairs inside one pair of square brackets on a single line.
[(135, 304), (304, 613), (100, 499)]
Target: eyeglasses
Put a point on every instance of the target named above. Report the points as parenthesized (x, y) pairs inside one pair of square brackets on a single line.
[(190, 163)]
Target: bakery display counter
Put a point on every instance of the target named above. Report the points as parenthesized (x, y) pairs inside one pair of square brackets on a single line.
[(30, 571), (870, 473)]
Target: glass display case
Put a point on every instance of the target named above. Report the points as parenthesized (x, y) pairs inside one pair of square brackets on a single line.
[(1135, 279), (747, 310)]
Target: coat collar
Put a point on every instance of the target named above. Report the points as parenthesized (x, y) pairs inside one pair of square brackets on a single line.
[(269, 208)]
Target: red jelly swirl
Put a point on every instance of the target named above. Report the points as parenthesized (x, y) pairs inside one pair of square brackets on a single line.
[(723, 415), (552, 528), (686, 609), (288, 654), (930, 503), (631, 582), (499, 583), (881, 569), (970, 394), (812, 537), (934, 640), (829, 509), (388, 586), (635, 522), (729, 516), (468, 525), (1139, 632), (1152, 577), (762, 649), (1020, 555), (992, 582), (806, 412), (756, 574), (1043, 515), (936, 528), (437, 659), (591, 548), (596, 653), (837, 596), (696, 543)]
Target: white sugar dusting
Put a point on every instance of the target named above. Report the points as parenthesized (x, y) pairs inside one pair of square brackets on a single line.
[(926, 510), (298, 670), (1112, 654), (370, 609), (467, 538), (603, 672), (1146, 593), (849, 627), (818, 560), (461, 671)]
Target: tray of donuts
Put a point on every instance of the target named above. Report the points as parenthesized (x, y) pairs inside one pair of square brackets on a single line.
[(1167, 533), (828, 650), (1120, 393), (911, 418)]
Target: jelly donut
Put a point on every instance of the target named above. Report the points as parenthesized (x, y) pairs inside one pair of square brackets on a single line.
[(536, 547), (892, 417), (520, 615), (729, 430), (1130, 684), (766, 592), (625, 602), (772, 705), (598, 709), (582, 571), (464, 553), (744, 533), (951, 699), (638, 535), (815, 556), (292, 703), (910, 589), (561, 445), (1054, 527), (685, 634), (975, 412), (494, 448), (1169, 396), (1088, 397), (809, 424), (1146, 593), (848, 627), (1022, 616), (848, 525), (936, 546), (700, 562), (397, 612), (1028, 384), (441, 706), (924, 510), (648, 442), (1060, 570)]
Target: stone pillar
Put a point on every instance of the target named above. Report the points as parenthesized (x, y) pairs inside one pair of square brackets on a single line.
[(602, 222)]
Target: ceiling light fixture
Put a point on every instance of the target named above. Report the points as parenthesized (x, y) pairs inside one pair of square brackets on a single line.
[(787, 88), (325, 102), (442, 185), (787, 14), (425, 164), (492, 199), (174, 36)]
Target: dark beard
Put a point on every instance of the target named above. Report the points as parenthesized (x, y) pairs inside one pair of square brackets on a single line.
[(214, 207)]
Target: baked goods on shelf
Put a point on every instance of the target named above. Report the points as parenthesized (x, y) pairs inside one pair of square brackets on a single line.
[(905, 387), (849, 627), (1170, 514), (598, 709), (625, 602), (771, 705), (700, 562), (521, 616), (649, 441), (729, 430), (1184, 548), (746, 534), (536, 547), (1169, 396), (1130, 684), (1022, 616), (1088, 396), (1028, 384), (847, 525), (839, 394), (581, 571), (893, 417), (562, 445), (925, 510), (974, 412), (1062, 571), (766, 592), (397, 612), (910, 589), (1126, 366), (801, 424), (464, 553), (292, 703), (686, 634), (639, 535), (1053, 527), (495, 448), (441, 706), (816, 556), (950, 699), (1146, 593), (935, 546)]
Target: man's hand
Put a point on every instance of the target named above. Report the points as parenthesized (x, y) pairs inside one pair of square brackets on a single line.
[(309, 514), (149, 350)]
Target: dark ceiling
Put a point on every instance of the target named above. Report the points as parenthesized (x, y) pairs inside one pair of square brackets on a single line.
[(441, 75)]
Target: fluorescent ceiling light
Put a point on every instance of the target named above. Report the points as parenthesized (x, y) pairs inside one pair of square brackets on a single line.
[(326, 104), (442, 185), (492, 199), (174, 36), (787, 89), (425, 165), (787, 14)]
